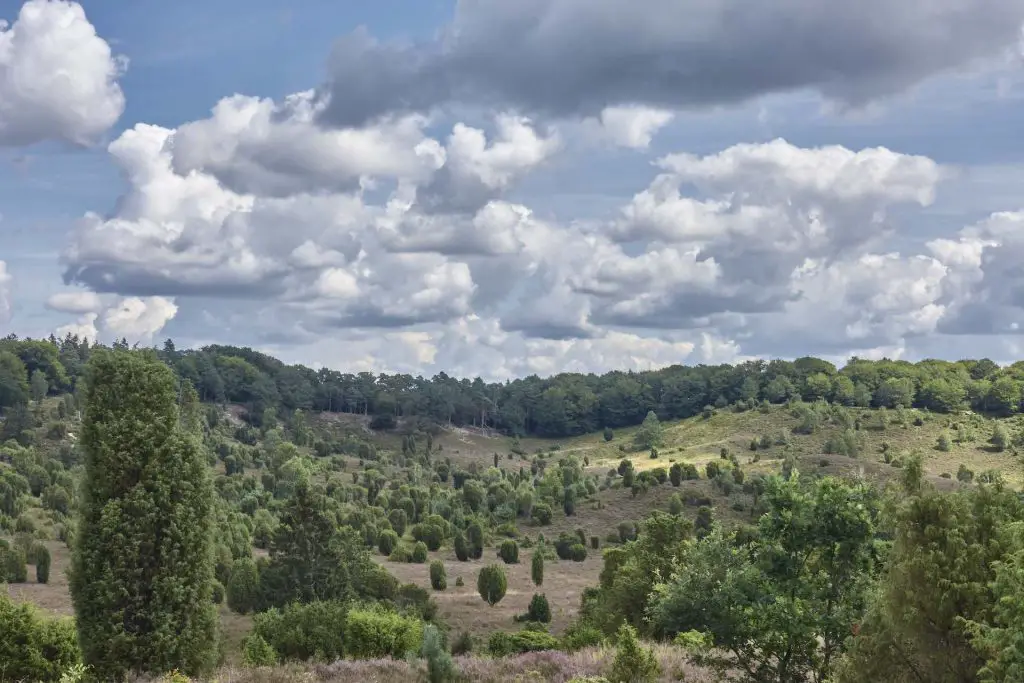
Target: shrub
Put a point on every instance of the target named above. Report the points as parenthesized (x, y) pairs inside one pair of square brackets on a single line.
[(581, 635), (537, 566), (33, 647), (440, 668), (300, 632), (413, 599), (539, 610), (375, 633), (438, 579), (42, 561), (217, 594), (459, 583), (943, 443), (608, 434), (541, 514), (12, 565), (243, 589), (419, 552), (632, 664), (578, 552), (461, 547), (502, 644), (387, 541), (463, 644), (429, 534), (595, 542), (145, 468), (257, 652), (508, 551), (491, 584)]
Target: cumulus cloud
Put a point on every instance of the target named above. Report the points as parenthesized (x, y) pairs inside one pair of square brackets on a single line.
[(80, 302), (58, 78), (138, 319), (577, 57), (986, 276), (83, 328), (628, 126), (5, 293), (253, 145)]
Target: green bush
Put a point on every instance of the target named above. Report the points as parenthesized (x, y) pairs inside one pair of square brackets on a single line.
[(581, 635), (440, 667), (301, 632), (400, 554), (578, 552), (419, 552), (258, 652), (461, 547), (387, 541), (632, 664), (539, 610), (42, 562), (459, 583), (429, 534), (508, 551), (12, 565), (33, 647), (375, 633), (438, 578), (492, 583), (502, 644), (537, 566), (243, 589), (217, 594)]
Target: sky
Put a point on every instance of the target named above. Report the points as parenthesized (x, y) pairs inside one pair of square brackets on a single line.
[(498, 189)]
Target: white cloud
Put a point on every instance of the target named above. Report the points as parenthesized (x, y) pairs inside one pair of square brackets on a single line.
[(628, 126), (138, 319), (75, 302), (58, 79), (83, 328), (255, 146)]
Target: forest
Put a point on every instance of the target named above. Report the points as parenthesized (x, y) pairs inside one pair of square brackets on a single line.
[(215, 514)]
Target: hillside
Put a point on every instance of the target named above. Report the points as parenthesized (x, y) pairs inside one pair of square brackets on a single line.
[(409, 497)]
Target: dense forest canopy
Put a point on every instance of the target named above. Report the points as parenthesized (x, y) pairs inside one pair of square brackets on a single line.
[(563, 405)]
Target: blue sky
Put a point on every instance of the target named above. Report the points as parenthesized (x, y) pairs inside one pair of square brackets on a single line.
[(499, 189)]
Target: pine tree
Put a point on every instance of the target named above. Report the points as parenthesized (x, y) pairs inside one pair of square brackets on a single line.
[(142, 572)]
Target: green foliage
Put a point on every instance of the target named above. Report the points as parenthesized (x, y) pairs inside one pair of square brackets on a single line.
[(243, 589), (217, 593), (32, 647), (311, 559), (440, 667), (1000, 438), (438, 578), (632, 663), (316, 630), (781, 604), (508, 551), (503, 644), (142, 595), (491, 584), (537, 567), (257, 652), (649, 434), (419, 552), (12, 565), (42, 562), (938, 580), (539, 610), (461, 547), (387, 541), (373, 633)]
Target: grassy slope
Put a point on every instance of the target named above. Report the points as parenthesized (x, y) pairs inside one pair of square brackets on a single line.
[(693, 440)]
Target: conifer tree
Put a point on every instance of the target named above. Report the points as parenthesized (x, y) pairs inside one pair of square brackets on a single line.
[(142, 570)]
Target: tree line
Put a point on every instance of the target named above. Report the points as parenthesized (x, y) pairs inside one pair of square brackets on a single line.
[(566, 404)]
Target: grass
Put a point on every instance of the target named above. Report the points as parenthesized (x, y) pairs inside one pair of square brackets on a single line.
[(463, 609), (532, 667)]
